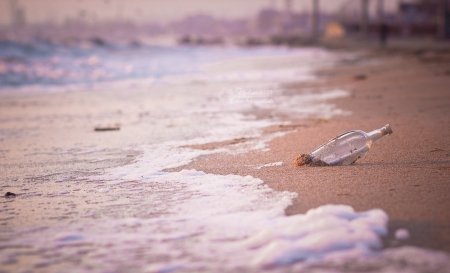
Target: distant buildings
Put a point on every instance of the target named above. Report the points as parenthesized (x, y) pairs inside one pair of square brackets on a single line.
[(271, 21), (420, 18), (425, 17)]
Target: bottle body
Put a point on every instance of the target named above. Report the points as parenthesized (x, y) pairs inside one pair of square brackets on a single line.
[(347, 148)]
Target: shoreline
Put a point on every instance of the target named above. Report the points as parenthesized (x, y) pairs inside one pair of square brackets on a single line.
[(402, 174), (68, 176)]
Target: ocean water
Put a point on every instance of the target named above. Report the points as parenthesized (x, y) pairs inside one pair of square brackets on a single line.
[(86, 63), (149, 219)]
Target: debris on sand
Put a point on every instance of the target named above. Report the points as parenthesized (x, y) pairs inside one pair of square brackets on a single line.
[(360, 77), (114, 127), (302, 159), (10, 194), (305, 159), (336, 152)]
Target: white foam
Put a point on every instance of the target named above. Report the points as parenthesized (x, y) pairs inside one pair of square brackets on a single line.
[(213, 223), (280, 163), (401, 234), (310, 237), (227, 214), (310, 104)]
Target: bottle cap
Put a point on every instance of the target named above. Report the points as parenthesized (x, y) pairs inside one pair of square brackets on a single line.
[(387, 129)]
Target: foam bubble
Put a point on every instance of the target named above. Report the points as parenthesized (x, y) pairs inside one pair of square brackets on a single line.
[(401, 234), (280, 163)]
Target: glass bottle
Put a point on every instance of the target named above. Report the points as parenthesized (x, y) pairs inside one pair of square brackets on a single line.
[(347, 148)]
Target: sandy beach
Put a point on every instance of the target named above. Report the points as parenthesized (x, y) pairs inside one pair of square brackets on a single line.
[(406, 174), (50, 152)]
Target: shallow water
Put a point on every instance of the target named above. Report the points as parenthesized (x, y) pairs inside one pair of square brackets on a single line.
[(140, 217), (85, 64)]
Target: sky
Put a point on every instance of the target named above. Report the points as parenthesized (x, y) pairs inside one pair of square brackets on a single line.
[(160, 11)]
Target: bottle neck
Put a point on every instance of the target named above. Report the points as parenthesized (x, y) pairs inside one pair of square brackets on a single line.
[(379, 133)]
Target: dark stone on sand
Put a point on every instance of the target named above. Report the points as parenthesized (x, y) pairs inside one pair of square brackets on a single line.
[(10, 194), (359, 77)]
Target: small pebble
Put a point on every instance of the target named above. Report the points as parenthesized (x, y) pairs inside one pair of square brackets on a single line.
[(359, 77), (10, 194)]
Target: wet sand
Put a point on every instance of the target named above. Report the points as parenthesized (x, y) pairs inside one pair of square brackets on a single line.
[(406, 174)]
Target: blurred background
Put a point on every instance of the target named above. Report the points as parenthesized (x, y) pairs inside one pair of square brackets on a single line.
[(222, 21), (47, 42)]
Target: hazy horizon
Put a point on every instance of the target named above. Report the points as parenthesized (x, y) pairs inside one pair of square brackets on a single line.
[(160, 11)]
